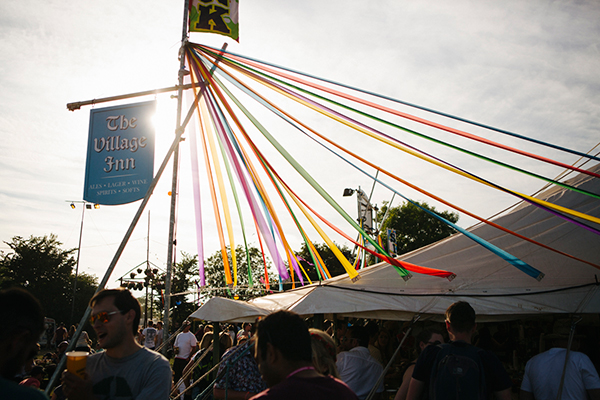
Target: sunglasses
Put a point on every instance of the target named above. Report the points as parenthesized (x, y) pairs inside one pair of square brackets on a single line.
[(103, 316)]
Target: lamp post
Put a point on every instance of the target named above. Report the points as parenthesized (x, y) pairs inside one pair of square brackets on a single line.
[(89, 207), (365, 210), (365, 215)]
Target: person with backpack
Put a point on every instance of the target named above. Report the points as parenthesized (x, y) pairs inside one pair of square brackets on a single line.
[(459, 370)]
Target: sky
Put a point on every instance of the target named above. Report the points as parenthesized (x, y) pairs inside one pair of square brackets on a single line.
[(527, 67)]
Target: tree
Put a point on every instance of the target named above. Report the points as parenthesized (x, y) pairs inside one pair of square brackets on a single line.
[(182, 281), (39, 265), (334, 266), (414, 227), (214, 272)]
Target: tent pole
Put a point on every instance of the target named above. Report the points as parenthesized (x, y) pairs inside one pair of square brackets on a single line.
[(171, 242), (216, 345)]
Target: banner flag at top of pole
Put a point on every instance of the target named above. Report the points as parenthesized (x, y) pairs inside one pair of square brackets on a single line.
[(215, 16)]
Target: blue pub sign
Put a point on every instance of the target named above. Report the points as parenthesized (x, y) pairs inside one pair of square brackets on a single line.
[(120, 153)]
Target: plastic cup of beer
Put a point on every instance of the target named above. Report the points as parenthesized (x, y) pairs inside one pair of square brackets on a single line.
[(76, 362)]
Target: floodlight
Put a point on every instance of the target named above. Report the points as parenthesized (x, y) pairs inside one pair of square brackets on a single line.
[(88, 206), (96, 206), (348, 192), (73, 205)]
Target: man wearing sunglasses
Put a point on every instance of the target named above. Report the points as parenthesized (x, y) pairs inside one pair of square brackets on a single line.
[(125, 370)]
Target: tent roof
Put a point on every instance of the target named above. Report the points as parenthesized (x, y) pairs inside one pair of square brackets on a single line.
[(227, 310), (495, 288)]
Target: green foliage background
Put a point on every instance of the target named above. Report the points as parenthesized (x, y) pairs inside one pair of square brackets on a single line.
[(414, 227), (42, 267)]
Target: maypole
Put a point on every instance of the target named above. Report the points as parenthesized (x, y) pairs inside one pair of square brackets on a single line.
[(172, 243)]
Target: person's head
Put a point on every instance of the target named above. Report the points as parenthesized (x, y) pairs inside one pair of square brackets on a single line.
[(208, 328), (37, 372), (225, 341), (426, 338), (357, 336), (341, 327), (561, 330), (232, 335), (23, 323), (460, 319), (159, 325), (150, 324), (206, 340), (323, 353), (373, 331), (283, 340), (62, 347), (383, 338), (187, 325), (115, 316)]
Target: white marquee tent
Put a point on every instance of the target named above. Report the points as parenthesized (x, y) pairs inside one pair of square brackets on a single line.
[(227, 310), (495, 288)]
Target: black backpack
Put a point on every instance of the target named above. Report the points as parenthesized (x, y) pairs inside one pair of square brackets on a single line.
[(457, 373)]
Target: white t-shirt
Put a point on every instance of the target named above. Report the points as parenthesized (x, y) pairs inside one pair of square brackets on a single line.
[(149, 337), (544, 371), (185, 341), (359, 370)]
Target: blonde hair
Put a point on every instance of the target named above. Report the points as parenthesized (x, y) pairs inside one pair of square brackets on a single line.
[(323, 353), (206, 340)]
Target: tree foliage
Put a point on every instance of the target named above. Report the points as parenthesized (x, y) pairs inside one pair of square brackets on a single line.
[(41, 266), (334, 266), (414, 227), (184, 272), (214, 272)]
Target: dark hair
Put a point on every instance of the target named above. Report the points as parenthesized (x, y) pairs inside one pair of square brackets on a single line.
[(424, 337), (461, 316), (288, 333), (123, 300), (361, 334), (372, 328), (19, 311)]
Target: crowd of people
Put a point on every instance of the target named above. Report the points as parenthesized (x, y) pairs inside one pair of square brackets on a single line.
[(277, 358)]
